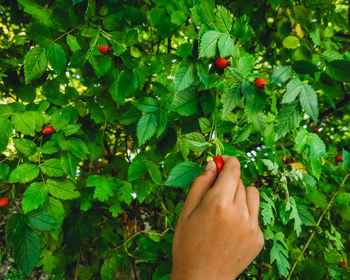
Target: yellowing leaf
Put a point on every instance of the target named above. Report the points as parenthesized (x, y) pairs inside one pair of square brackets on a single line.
[(299, 31), (299, 166)]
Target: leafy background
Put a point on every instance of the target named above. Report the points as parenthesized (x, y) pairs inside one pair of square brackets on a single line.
[(99, 198)]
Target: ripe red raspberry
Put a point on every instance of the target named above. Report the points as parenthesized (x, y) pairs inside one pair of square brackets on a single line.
[(260, 83), (48, 130), (315, 129), (222, 63), (4, 202), (219, 163), (339, 158), (103, 49)]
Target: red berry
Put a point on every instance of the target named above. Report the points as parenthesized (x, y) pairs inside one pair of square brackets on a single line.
[(4, 202), (103, 49), (315, 129), (342, 264), (219, 163), (48, 130), (260, 83), (222, 62), (339, 158)]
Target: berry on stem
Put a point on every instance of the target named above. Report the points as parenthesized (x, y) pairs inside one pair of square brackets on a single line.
[(219, 163), (103, 49), (314, 129), (222, 62), (260, 83), (48, 130), (343, 264), (4, 202), (339, 158)]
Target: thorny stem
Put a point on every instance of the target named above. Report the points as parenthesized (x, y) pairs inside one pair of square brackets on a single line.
[(317, 224)]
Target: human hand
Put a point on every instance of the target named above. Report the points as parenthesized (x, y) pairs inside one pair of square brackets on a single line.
[(217, 235)]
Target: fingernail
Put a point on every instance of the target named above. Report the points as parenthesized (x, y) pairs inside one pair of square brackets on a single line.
[(210, 165)]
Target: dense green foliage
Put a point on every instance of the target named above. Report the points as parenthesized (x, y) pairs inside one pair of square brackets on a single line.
[(99, 198)]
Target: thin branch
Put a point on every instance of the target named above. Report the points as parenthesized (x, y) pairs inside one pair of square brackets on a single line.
[(317, 225)]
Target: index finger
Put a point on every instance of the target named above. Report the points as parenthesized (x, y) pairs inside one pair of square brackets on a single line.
[(229, 178)]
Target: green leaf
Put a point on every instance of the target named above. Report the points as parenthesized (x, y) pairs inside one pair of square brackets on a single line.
[(124, 86), (223, 20), (4, 171), (137, 169), (52, 167), (63, 189), (115, 209), (41, 14), (25, 122), (125, 191), (34, 196), (345, 153), (60, 119), (195, 141), (55, 209), (315, 36), (146, 127), (154, 172), (288, 119), (294, 214), (147, 104), (185, 102), (227, 46), (308, 101), (280, 255), (184, 75), (281, 74), (267, 213), (50, 147), (41, 220), (339, 70), (204, 124), (162, 123), (35, 63), (183, 174), (245, 65), (104, 186), (291, 42), (100, 64), (24, 173), (26, 251), (57, 57), (72, 42), (208, 44), (292, 91), (6, 131), (25, 146), (77, 147), (69, 164)]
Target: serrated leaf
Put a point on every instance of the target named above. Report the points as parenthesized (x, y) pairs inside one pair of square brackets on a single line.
[(146, 128), (124, 86), (185, 103), (77, 147), (69, 164), (24, 173), (339, 70), (100, 64), (57, 57), (41, 220), (25, 122), (63, 189), (147, 105), (104, 186), (226, 46), (208, 44), (154, 172), (137, 169), (245, 65), (195, 141), (34, 196), (184, 75), (279, 254), (308, 101), (281, 74), (345, 153), (35, 63), (183, 174), (72, 42), (231, 99), (204, 124), (288, 119), (292, 91), (52, 167), (162, 123), (223, 20), (25, 146)]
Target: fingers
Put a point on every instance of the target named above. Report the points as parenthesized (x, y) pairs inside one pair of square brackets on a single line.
[(240, 196), (199, 188), (228, 180), (253, 201)]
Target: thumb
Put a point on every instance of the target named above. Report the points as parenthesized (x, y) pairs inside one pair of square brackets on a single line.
[(199, 188)]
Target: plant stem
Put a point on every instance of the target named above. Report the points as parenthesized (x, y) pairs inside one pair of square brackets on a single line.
[(317, 224)]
